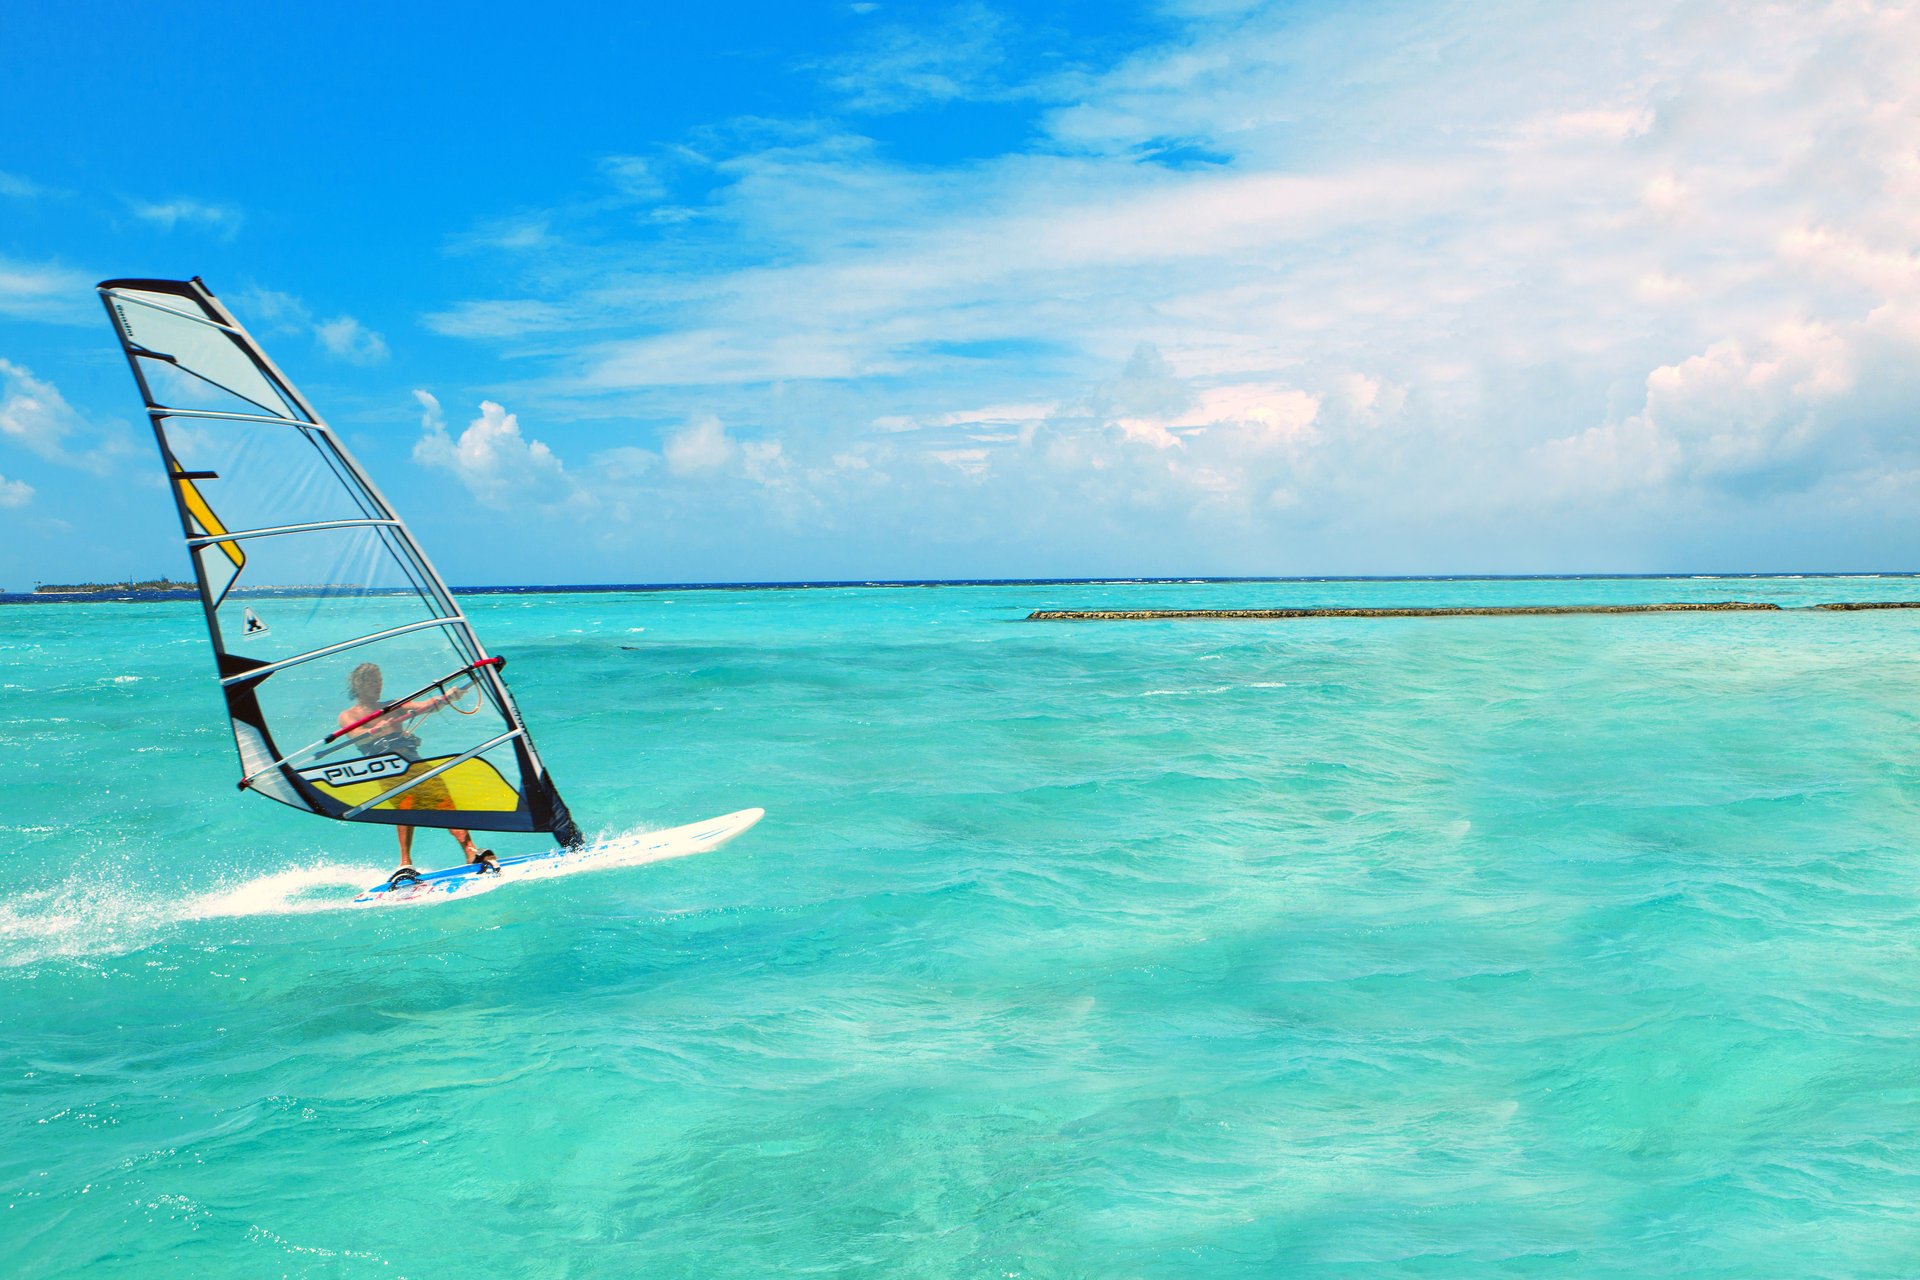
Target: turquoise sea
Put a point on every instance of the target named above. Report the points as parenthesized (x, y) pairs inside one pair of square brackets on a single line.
[(1573, 946)]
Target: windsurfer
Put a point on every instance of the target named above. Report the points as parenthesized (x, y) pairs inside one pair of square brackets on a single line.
[(389, 734)]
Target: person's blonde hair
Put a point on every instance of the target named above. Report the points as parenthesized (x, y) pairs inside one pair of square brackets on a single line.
[(363, 685)]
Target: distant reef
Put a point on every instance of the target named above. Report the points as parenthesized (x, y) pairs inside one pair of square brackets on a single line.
[(1464, 611), (102, 588)]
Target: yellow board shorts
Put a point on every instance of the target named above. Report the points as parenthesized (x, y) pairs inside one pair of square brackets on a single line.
[(431, 794)]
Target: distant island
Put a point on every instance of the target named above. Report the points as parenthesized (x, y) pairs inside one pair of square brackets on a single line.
[(101, 588), (167, 586)]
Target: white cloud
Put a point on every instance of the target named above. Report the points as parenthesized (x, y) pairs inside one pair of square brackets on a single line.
[(505, 318), (36, 417), (15, 493), (958, 54), (49, 293), (624, 464), (271, 311), (268, 311), (764, 462), (521, 233), (699, 469), (634, 177), (1665, 194), (701, 446), (1369, 400), (969, 462), (1150, 404), (1609, 459), (17, 187), (349, 340), (499, 467), (223, 220), (433, 419), (1596, 125), (1270, 410), (1777, 411)]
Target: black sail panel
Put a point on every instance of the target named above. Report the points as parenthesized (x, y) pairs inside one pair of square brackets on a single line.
[(355, 686)]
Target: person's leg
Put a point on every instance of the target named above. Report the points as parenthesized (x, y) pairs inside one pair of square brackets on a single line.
[(405, 874), (475, 855)]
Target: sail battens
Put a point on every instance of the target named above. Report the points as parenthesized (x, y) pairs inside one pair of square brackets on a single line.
[(276, 530), (429, 774), (308, 575), (216, 415), (268, 668)]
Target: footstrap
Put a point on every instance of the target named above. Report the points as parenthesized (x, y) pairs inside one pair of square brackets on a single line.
[(405, 875)]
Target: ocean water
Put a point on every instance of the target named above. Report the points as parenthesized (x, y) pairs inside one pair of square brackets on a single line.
[(1573, 946)]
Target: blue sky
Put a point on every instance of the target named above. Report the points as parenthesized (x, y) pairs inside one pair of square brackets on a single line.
[(863, 290)]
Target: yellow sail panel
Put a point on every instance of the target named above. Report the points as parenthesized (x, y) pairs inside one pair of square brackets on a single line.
[(210, 526), (220, 561), (472, 786)]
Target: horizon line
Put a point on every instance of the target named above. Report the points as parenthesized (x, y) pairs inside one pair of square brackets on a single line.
[(188, 590)]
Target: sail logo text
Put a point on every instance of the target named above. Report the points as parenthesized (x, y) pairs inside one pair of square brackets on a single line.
[(366, 769)]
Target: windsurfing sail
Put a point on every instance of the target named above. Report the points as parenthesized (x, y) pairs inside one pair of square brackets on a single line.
[(355, 685)]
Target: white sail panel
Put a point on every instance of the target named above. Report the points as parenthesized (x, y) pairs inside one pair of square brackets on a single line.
[(264, 474), (155, 325)]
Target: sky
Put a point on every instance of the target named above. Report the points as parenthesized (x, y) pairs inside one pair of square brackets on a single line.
[(844, 291)]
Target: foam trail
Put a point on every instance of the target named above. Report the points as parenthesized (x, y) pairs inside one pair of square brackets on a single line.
[(93, 917), (278, 893)]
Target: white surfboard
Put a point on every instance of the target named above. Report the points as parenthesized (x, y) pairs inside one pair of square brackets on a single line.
[(621, 851)]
